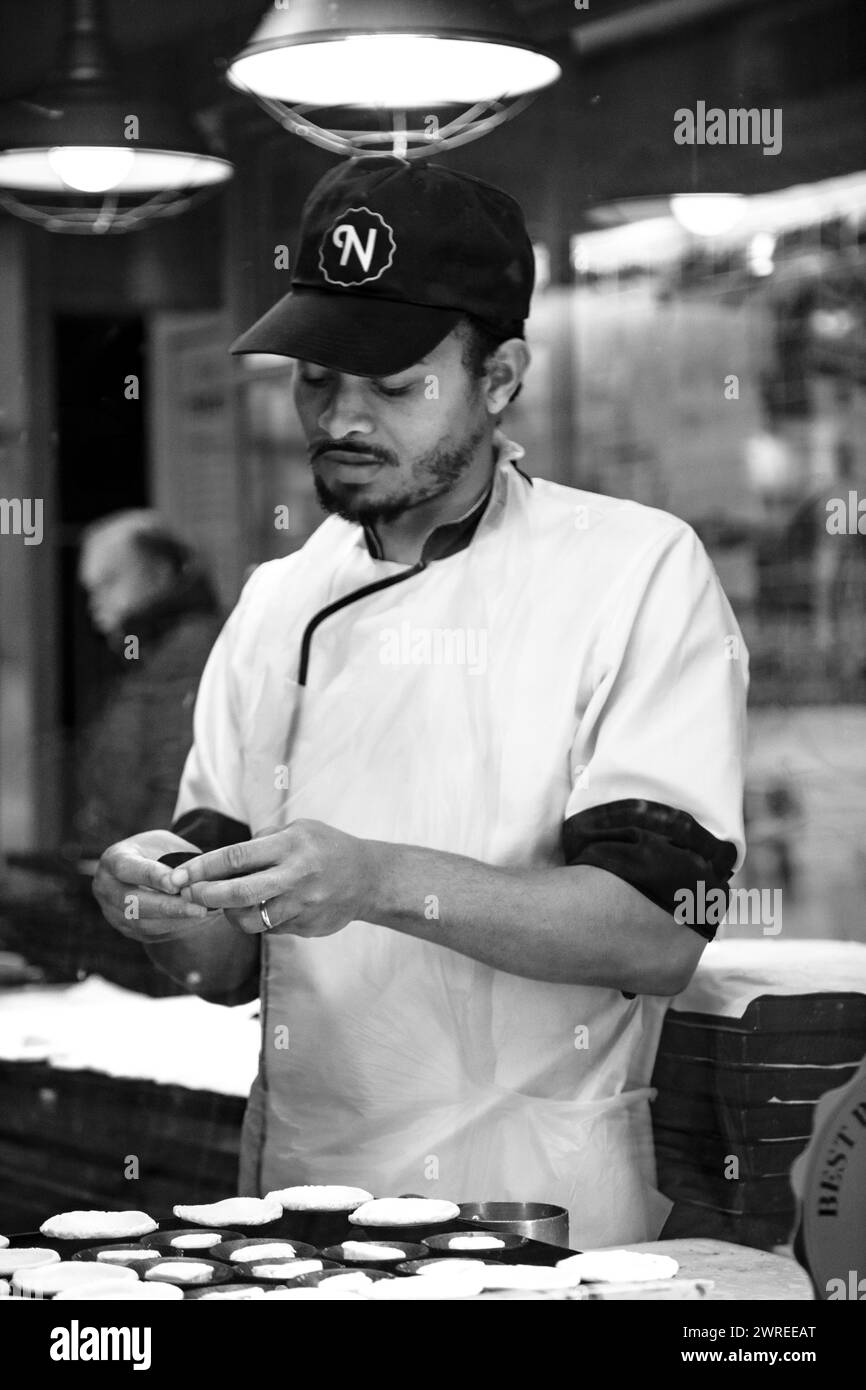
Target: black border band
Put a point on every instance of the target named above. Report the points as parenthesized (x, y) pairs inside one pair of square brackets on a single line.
[(657, 849)]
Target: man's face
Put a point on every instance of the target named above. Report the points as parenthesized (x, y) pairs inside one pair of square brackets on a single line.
[(382, 445)]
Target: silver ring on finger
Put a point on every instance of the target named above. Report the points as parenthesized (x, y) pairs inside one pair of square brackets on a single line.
[(263, 913)]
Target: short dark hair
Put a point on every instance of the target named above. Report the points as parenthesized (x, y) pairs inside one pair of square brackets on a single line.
[(479, 342)]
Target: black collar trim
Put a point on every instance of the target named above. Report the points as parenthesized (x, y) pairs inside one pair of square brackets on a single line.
[(445, 540)]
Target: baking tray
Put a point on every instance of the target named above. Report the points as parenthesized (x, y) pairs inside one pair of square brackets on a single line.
[(535, 1252)]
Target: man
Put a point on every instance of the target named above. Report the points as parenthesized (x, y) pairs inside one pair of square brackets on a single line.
[(154, 605), (453, 758)]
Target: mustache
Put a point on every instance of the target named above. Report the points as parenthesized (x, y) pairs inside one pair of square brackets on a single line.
[(349, 446)]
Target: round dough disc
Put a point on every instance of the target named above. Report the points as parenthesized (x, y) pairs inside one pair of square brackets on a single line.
[(478, 1242), (195, 1241), (451, 1283), (362, 1251), (537, 1277), (26, 1257), (137, 1293), (269, 1250), (404, 1211), (127, 1257), (316, 1294), (232, 1211), (285, 1269), (184, 1271), (98, 1225), (321, 1198), (618, 1266), (48, 1280), (234, 1291)]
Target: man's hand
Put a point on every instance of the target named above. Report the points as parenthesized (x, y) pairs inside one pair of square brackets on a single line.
[(314, 880), (136, 893)]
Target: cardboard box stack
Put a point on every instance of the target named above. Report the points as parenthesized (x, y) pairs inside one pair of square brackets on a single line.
[(763, 1031)]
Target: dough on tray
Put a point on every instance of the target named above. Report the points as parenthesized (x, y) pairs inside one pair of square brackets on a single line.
[(268, 1250), (475, 1242), (352, 1279), (48, 1280), (127, 1257), (26, 1257), (359, 1251), (130, 1293), (181, 1271), (232, 1291), (464, 1283), (232, 1211), (319, 1198), (404, 1211), (533, 1277), (285, 1269), (98, 1225)]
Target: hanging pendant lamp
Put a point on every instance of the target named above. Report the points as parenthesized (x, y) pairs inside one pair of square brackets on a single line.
[(83, 155), (439, 73)]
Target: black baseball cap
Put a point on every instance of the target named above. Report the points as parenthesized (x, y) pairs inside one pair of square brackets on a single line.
[(392, 255)]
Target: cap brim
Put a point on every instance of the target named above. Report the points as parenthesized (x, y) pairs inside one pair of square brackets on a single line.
[(353, 333)]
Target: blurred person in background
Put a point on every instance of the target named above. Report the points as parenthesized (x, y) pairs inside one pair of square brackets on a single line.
[(153, 602)]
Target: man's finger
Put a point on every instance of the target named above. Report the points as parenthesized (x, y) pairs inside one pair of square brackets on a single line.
[(239, 892), (283, 912), (140, 903), (154, 929), (218, 864), (131, 867)]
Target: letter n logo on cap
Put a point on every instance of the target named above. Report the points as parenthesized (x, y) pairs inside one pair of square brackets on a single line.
[(358, 247)]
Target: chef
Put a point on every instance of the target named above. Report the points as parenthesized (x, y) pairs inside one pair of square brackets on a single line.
[(457, 759)]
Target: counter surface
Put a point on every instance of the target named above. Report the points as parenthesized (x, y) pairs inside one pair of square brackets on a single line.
[(738, 1271)]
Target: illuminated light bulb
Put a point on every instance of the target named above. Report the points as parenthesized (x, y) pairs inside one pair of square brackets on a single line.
[(91, 168), (707, 214), (393, 71)]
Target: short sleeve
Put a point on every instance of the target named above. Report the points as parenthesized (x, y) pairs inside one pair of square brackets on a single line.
[(210, 808), (657, 763)]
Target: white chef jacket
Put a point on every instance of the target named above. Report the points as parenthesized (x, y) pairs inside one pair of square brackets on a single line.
[(565, 683)]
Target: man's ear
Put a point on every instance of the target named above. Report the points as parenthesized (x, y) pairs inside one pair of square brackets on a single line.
[(505, 371)]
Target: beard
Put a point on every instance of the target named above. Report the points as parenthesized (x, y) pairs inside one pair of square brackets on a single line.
[(431, 475)]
